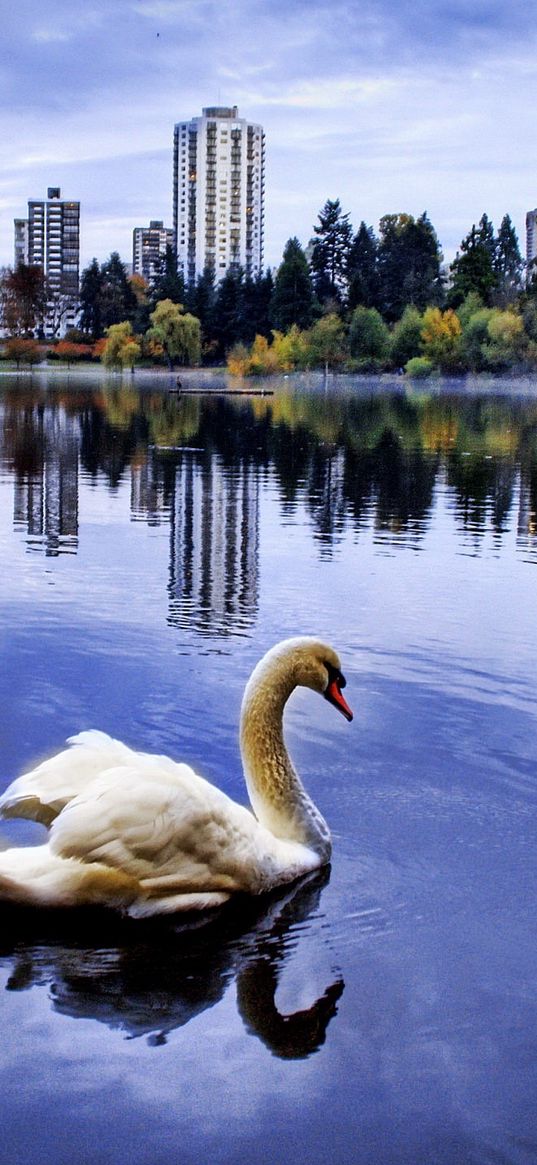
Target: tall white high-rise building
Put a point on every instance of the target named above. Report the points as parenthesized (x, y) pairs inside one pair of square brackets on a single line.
[(531, 243), (218, 193)]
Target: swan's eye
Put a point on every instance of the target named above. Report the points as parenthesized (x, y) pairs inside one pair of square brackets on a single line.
[(335, 676), (336, 681)]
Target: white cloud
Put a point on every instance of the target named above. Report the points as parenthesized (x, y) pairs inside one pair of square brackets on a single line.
[(51, 35), (385, 106)]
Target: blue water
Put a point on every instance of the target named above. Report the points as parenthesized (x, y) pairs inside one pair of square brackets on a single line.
[(153, 547)]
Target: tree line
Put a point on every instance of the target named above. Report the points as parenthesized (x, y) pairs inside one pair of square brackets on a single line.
[(354, 299)]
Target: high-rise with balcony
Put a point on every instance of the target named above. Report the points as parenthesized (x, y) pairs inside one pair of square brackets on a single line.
[(149, 247), (218, 193), (50, 238)]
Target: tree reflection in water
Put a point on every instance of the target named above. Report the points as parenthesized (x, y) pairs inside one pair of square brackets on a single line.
[(147, 979), (356, 461)]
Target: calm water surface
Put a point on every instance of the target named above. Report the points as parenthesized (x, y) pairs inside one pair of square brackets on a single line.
[(153, 547)]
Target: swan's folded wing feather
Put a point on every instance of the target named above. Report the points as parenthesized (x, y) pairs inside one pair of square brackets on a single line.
[(173, 831)]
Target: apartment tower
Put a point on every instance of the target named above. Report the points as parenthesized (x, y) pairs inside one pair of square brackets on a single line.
[(218, 193), (50, 238), (149, 247)]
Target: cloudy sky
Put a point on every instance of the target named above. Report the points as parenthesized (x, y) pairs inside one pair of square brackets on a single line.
[(388, 105)]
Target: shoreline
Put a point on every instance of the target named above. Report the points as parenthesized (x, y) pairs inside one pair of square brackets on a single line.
[(218, 381)]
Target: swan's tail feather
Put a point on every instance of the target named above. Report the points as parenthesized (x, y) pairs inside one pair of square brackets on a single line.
[(176, 903), (37, 877), (34, 876)]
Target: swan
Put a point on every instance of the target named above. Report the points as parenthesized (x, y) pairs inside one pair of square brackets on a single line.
[(146, 835)]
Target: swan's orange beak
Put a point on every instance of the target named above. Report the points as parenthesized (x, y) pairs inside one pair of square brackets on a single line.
[(334, 695)]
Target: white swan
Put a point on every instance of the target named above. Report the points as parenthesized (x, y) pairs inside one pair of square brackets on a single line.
[(148, 836)]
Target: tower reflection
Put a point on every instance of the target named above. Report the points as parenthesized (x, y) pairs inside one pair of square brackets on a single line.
[(214, 541), (44, 446)]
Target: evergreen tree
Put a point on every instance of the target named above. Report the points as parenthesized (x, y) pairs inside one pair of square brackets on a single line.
[(200, 301), (409, 264), (256, 299), (486, 236), (473, 269), (167, 282), (508, 264), (90, 301), (117, 299), (140, 320), (362, 269), (292, 301), (330, 257), (423, 285), (227, 319)]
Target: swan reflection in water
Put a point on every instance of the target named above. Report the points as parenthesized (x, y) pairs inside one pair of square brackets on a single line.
[(149, 978)]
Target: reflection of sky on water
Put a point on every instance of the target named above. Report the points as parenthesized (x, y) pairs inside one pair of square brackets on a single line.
[(417, 561)]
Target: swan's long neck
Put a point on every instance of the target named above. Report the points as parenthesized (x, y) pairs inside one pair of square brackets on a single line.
[(277, 795)]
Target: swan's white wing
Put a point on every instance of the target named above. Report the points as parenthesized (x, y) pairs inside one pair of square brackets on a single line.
[(41, 794), (165, 827), (175, 835)]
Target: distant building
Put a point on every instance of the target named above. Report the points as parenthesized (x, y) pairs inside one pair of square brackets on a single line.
[(531, 243), (218, 193), (149, 246), (50, 238), (21, 241)]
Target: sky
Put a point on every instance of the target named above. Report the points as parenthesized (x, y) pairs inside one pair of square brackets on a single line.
[(389, 105)]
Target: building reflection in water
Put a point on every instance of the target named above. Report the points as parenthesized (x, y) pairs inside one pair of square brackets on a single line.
[(527, 507), (152, 487), (214, 542), (46, 462)]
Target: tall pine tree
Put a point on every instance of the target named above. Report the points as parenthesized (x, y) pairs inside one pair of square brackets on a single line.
[(330, 255), (200, 301), (116, 297), (362, 269), (508, 264), (474, 267), (255, 306), (409, 264), (227, 319), (167, 282), (90, 300), (292, 301)]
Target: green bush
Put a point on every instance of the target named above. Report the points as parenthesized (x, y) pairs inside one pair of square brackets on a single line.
[(405, 340), (419, 367)]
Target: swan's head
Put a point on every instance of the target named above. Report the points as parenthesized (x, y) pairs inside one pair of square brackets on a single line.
[(311, 663)]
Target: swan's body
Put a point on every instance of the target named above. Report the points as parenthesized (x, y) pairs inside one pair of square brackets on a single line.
[(148, 836)]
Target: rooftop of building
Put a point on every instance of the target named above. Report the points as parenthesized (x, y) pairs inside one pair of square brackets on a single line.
[(230, 111)]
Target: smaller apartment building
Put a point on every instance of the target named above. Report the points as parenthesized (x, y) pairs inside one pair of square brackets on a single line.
[(149, 247), (50, 238)]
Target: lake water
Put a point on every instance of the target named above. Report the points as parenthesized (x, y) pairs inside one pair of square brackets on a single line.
[(153, 547)]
